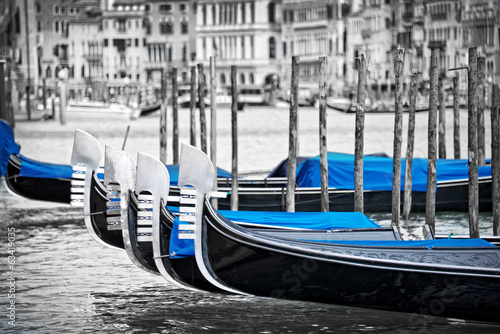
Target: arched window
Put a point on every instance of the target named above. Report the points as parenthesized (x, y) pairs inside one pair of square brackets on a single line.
[(48, 72), (271, 12), (272, 48), (166, 27), (251, 78), (222, 79), (242, 78)]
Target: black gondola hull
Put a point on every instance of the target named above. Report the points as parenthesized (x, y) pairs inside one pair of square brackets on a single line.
[(271, 271)]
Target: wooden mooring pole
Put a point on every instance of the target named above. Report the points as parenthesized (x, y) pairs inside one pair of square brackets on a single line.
[(323, 151), (472, 146), (430, 196), (495, 158), (3, 93), (359, 137), (442, 119), (456, 117), (398, 137), (410, 147), (292, 137), (163, 119), (234, 135), (213, 123), (192, 108), (175, 118), (481, 146), (201, 99)]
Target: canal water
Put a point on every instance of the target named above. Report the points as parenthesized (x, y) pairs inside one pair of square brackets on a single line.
[(65, 282), (62, 281)]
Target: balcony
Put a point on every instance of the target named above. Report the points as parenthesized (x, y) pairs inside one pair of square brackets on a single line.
[(439, 16), (366, 33), (93, 57), (6, 52), (437, 44), (407, 16)]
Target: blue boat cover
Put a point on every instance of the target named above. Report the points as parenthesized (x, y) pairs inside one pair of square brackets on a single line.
[(455, 243), (7, 145), (173, 170), (309, 220), (377, 172), (32, 168)]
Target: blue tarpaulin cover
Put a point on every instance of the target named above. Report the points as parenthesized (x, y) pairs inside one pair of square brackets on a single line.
[(309, 220), (377, 172), (7, 146), (173, 170), (32, 168)]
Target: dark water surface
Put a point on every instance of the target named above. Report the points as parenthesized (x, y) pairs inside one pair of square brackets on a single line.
[(68, 283)]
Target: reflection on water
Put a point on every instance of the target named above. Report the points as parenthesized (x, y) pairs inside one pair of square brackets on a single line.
[(67, 283)]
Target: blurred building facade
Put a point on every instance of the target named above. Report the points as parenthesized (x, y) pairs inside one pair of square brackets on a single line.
[(130, 43)]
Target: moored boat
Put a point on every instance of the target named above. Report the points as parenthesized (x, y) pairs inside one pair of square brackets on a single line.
[(448, 278)]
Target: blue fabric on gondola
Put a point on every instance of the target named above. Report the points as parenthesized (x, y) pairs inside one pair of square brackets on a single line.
[(7, 145), (377, 172), (453, 243), (309, 220), (32, 168), (173, 170)]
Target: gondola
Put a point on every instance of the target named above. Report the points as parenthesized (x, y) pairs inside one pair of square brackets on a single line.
[(39, 180), (23, 177), (149, 109), (173, 252), (447, 278), (131, 213)]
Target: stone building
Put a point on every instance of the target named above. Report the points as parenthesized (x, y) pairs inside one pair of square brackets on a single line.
[(369, 31), (314, 29), (244, 33)]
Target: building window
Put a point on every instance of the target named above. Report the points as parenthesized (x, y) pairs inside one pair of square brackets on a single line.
[(38, 8), (137, 42), (271, 12), (184, 53), (48, 72), (169, 53), (284, 49), (39, 25), (183, 7), (56, 27), (55, 10), (204, 14), (243, 12), (17, 21), (252, 12), (184, 27), (272, 48), (122, 25), (105, 42), (147, 24), (166, 27), (222, 79), (242, 78), (166, 8), (251, 78)]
